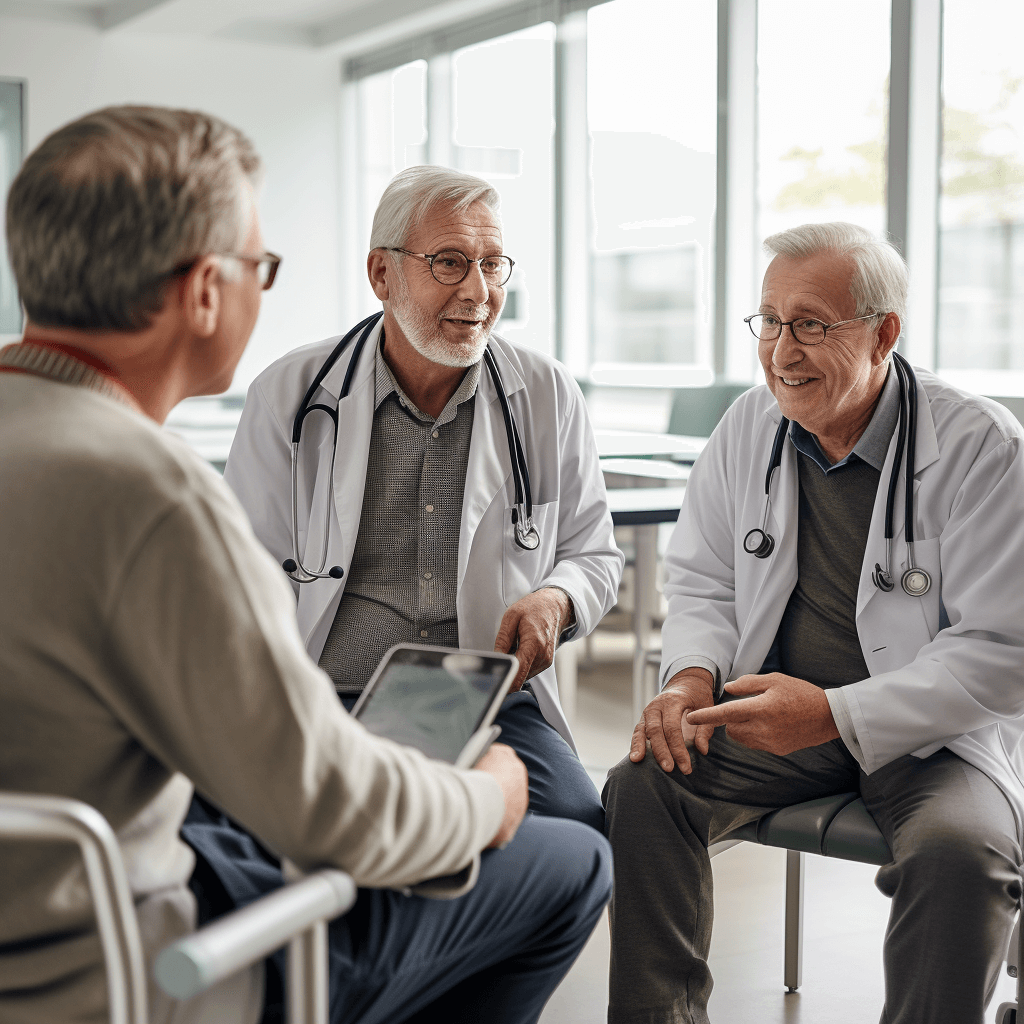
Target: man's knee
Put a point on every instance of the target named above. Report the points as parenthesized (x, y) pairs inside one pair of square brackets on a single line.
[(947, 857), (633, 786)]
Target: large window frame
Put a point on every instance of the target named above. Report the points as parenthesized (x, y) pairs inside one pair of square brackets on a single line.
[(912, 164)]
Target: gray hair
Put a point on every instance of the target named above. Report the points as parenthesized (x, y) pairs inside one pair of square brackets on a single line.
[(107, 208), (880, 278), (414, 192)]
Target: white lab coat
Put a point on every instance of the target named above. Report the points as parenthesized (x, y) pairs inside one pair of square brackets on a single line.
[(577, 549), (946, 669)]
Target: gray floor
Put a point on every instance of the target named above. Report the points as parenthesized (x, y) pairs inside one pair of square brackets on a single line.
[(844, 914)]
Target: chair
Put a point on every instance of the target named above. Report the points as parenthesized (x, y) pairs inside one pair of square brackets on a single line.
[(295, 915), (835, 826), (696, 411)]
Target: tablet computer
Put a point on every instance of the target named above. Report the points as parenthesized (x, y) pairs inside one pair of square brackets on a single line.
[(438, 700)]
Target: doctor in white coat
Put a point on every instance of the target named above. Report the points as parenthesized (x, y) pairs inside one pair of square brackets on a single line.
[(422, 417), (914, 700)]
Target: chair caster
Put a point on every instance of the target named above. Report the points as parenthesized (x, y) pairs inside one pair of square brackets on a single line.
[(1007, 1013)]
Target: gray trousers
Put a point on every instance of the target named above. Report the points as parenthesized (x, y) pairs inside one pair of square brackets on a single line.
[(954, 880)]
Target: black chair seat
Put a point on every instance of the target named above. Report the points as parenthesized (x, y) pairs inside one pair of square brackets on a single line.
[(831, 826)]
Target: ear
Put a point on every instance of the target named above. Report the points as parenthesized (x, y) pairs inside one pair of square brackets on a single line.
[(201, 296), (888, 335), (378, 266)]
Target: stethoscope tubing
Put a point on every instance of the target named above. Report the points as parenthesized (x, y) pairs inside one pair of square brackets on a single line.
[(524, 531), (915, 581)]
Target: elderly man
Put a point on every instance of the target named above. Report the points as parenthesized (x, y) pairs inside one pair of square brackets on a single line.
[(415, 488), (148, 643), (855, 663)]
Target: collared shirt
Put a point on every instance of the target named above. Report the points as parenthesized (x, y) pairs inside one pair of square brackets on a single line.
[(871, 447), (402, 582), (869, 451)]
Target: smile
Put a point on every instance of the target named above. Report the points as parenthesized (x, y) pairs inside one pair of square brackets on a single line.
[(795, 382)]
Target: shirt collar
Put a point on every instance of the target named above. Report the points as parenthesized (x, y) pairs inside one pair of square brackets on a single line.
[(65, 364), (386, 384), (873, 444)]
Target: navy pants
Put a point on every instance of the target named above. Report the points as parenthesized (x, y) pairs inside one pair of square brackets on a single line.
[(559, 784), (494, 954)]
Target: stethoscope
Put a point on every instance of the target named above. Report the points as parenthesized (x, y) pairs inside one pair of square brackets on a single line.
[(523, 529), (915, 581)]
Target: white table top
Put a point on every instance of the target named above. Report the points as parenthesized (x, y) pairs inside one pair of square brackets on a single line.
[(637, 444), (637, 506)]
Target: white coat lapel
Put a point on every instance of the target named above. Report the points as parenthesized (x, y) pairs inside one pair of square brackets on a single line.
[(778, 571), (355, 423), (489, 464), (926, 453)]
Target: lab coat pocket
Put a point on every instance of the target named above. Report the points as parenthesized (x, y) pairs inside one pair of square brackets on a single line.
[(522, 569)]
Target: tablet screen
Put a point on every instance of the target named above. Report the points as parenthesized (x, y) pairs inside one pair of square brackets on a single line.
[(432, 700)]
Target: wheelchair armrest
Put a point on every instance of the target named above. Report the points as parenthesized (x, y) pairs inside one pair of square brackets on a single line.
[(199, 960)]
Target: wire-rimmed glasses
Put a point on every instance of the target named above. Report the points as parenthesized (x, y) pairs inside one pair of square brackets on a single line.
[(451, 266), (806, 329)]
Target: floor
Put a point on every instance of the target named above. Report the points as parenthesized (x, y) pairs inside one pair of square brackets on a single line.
[(844, 919)]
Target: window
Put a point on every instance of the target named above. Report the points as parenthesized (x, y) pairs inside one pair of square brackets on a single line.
[(981, 205), (652, 118), (392, 136), (822, 96), (503, 96), (11, 142)]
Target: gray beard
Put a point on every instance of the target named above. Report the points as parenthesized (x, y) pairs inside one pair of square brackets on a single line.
[(424, 334)]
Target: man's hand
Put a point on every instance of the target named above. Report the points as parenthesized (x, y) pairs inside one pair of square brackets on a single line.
[(664, 723), (530, 629), (781, 714), (503, 763)]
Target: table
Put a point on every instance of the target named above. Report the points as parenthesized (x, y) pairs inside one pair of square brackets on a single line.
[(637, 444), (641, 508)]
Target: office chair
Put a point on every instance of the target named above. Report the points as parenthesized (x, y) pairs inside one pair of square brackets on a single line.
[(296, 915), (835, 826)]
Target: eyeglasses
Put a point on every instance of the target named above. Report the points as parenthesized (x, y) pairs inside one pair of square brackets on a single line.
[(452, 266), (806, 330), (266, 266)]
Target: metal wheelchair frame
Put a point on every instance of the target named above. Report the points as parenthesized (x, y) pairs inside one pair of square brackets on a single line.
[(295, 915)]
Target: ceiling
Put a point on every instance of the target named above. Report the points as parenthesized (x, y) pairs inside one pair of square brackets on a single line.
[(341, 26)]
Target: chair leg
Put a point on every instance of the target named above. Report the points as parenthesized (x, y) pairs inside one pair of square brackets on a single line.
[(306, 994), (794, 964)]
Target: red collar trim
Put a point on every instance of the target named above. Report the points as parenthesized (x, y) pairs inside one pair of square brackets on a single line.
[(76, 353)]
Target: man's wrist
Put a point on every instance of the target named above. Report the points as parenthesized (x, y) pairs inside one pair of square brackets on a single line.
[(567, 625), (688, 676)]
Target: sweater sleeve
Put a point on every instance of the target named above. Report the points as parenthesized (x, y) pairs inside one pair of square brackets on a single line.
[(209, 673)]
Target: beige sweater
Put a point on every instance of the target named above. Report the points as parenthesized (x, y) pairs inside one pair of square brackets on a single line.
[(148, 642)]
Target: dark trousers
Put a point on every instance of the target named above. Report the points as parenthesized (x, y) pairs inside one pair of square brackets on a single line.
[(954, 880), (559, 784), (495, 954)]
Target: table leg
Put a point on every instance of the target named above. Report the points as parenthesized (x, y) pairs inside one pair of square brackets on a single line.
[(645, 605)]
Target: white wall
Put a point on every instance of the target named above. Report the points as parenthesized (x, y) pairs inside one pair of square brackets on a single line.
[(285, 99)]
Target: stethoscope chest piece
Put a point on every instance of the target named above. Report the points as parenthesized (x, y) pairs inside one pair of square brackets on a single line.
[(916, 582), (758, 543), (523, 530)]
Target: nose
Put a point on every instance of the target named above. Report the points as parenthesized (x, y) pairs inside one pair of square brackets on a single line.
[(473, 288), (787, 350)]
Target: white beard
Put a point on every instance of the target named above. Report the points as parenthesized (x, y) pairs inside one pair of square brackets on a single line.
[(425, 335)]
